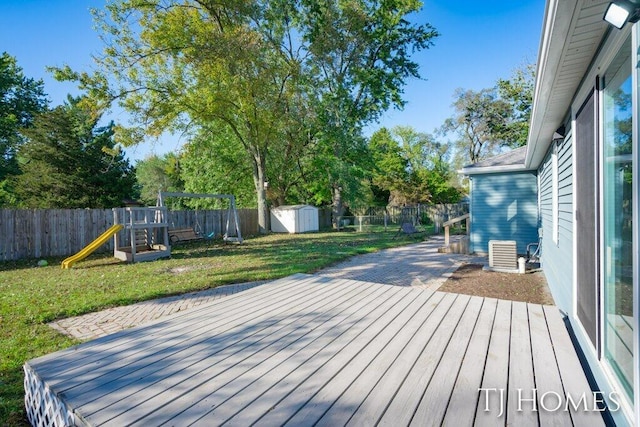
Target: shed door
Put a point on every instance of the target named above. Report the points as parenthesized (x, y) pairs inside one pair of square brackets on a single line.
[(587, 231)]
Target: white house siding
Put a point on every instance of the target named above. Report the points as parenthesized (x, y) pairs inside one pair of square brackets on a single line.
[(557, 258)]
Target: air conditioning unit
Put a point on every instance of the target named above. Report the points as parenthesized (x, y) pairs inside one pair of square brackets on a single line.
[(503, 255)]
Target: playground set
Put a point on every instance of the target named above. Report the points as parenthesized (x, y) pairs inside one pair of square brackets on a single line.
[(144, 233)]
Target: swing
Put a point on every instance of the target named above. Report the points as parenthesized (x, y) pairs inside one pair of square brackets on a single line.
[(199, 230), (232, 232), (408, 223)]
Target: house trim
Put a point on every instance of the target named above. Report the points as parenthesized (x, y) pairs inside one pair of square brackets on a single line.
[(495, 169)]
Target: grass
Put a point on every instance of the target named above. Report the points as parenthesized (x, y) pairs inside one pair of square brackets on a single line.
[(32, 296)]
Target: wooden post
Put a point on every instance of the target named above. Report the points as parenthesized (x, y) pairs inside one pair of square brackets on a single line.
[(360, 223), (446, 236), (116, 239), (132, 233), (385, 220)]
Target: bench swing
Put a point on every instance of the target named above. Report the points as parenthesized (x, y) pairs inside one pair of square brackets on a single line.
[(232, 231), (409, 223), (183, 235)]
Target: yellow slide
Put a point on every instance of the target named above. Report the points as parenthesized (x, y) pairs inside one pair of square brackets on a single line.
[(88, 250)]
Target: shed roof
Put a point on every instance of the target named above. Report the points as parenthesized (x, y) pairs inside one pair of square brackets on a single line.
[(294, 207), (511, 161)]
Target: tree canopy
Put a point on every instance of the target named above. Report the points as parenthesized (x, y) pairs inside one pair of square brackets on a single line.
[(285, 77), (155, 173), (491, 119), (517, 91), (360, 56), (68, 161), (411, 167), (21, 98)]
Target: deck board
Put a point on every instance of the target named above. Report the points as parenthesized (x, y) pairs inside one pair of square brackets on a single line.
[(294, 391), (220, 386), (491, 409), (520, 409), (463, 403), (574, 381), (375, 404), (93, 352), (217, 353), (436, 396), (308, 350), (549, 383), (125, 368), (339, 398), (405, 402)]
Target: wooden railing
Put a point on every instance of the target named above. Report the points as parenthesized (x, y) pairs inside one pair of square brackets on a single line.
[(451, 222)]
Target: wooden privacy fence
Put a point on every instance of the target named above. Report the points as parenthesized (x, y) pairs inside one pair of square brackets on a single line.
[(41, 233)]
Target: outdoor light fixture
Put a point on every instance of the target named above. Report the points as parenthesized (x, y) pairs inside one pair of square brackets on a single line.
[(620, 12), (559, 133)]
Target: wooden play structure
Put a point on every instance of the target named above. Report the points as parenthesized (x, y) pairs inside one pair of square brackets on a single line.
[(143, 233), (146, 234)]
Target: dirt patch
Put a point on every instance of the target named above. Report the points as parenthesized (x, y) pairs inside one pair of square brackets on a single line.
[(187, 268), (470, 279)]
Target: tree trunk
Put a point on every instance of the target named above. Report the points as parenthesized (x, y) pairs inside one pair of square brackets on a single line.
[(259, 179), (337, 207)]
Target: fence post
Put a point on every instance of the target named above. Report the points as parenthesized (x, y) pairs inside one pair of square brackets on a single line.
[(385, 220), (360, 223)]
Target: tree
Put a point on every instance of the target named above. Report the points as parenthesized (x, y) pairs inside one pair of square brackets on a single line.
[(360, 58), (428, 164), (479, 116), (412, 167), (492, 119), (179, 66), (390, 173), (155, 174), (260, 67), (214, 161), (21, 98), (518, 93), (68, 161)]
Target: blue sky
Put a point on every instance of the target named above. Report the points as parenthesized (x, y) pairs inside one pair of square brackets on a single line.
[(480, 42)]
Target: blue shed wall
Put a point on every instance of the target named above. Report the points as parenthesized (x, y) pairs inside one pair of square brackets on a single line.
[(557, 258), (504, 206)]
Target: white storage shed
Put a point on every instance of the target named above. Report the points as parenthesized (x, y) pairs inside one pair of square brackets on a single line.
[(294, 219)]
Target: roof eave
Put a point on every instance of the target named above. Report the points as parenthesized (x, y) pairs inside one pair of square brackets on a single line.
[(556, 28), (494, 169)]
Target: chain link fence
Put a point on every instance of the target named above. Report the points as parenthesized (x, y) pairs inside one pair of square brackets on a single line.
[(379, 219)]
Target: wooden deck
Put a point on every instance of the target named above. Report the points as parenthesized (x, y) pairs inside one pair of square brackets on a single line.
[(308, 350)]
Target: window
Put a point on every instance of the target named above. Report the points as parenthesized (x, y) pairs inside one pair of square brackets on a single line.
[(617, 203), (554, 193)]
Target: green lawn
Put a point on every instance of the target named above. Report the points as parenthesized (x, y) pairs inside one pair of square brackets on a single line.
[(31, 296)]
